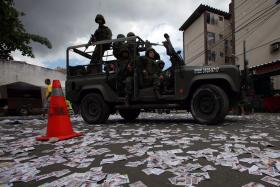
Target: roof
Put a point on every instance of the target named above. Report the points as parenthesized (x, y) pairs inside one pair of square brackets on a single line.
[(267, 68), (27, 64), (277, 61), (200, 10)]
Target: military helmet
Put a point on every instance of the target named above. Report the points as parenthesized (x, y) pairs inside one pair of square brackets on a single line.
[(130, 34), (100, 17), (160, 62), (120, 36), (157, 57)]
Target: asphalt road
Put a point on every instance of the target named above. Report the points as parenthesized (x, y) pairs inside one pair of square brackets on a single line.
[(249, 136)]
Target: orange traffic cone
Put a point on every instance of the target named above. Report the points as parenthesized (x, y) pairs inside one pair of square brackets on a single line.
[(59, 124)]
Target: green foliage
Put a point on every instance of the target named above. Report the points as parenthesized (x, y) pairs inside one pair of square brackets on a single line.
[(13, 36)]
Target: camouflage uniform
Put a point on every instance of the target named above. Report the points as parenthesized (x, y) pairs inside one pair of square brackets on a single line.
[(117, 46), (128, 82), (132, 45), (164, 75), (150, 71), (123, 74), (102, 33)]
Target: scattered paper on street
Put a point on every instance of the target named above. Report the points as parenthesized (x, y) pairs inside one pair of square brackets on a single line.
[(103, 154), (271, 180)]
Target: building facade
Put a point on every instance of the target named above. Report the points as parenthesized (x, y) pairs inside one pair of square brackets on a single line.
[(257, 23), (207, 37), (257, 31), (18, 71), (21, 73), (22, 87)]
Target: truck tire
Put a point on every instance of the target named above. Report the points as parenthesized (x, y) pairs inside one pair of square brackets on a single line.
[(129, 114), (94, 109), (209, 104)]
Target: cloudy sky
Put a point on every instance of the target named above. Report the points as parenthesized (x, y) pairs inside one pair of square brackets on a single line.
[(70, 22)]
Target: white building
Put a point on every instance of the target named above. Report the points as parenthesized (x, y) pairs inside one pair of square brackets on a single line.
[(207, 37)]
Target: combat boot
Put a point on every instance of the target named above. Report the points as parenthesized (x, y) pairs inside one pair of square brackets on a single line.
[(127, 100), (157, 94)]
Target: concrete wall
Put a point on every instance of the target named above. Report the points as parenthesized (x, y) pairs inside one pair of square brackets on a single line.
[(194, 43), (258, 33), (15, 71)]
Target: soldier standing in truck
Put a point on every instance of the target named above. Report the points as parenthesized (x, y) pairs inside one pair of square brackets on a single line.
[(102, 33)]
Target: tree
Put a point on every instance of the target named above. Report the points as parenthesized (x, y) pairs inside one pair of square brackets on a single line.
[(13, 35)]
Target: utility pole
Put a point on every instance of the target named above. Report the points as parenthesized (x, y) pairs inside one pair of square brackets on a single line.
[(245, 76)]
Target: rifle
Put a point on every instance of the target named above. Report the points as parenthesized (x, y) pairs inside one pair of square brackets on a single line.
[(91, 40), (175, 58)]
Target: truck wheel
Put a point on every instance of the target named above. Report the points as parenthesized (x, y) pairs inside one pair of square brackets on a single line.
[(94, 109), (209, 104), (129, 115)]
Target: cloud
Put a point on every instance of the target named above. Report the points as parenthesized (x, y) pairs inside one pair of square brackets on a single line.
[(70, 22), (35, 61)]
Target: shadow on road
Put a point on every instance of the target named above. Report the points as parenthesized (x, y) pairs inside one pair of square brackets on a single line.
[(160, 121), (156, 121)]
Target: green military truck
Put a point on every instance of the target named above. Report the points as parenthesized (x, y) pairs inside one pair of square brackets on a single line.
[(208, 92)]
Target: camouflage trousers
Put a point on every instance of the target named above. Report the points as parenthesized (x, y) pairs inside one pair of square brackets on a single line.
[(96, 57), (121, 77), (128, 82), (152, 80)]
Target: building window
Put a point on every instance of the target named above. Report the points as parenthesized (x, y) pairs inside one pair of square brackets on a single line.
[(211, 37), (211, 19), (275, 47), (221, 36), (211, 56), (208, 18), (221, 18), (226, 60), (226, 43), (221, 54)]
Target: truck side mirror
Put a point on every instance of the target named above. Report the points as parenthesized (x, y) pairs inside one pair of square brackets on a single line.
[(179, 52)]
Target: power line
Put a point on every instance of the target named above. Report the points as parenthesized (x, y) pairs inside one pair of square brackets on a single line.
[(262, 45), (241, 4), (254, 29), (230, 34), (248, 13), (259, 16), (195, 38)]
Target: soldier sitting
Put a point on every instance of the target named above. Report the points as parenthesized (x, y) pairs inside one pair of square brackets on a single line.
[(150, 71), (164, 78)]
